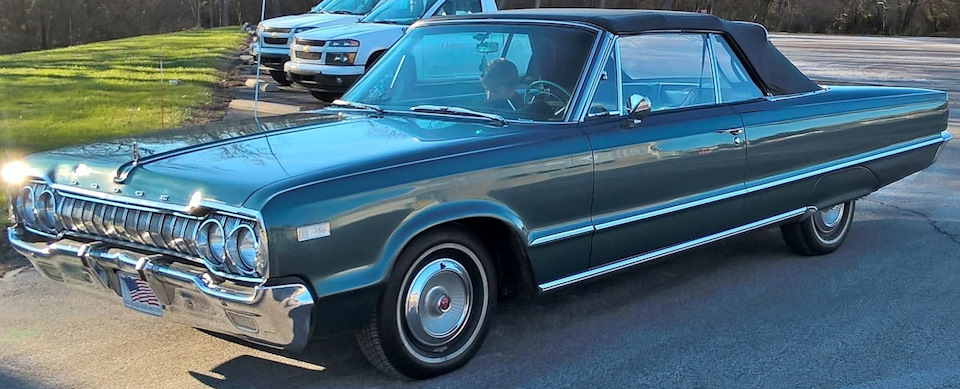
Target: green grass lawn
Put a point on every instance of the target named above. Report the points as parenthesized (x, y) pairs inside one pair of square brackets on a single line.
[(78, 94)]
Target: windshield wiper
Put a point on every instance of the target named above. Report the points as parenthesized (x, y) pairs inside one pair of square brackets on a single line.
[(459, 111), (350, 104), (343, 12)]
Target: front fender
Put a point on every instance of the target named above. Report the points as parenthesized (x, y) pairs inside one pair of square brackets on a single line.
[(413, 225)]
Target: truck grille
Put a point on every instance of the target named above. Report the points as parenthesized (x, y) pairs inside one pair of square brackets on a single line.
[(274, 41), (277, 30), (311, 42), (308, 56)]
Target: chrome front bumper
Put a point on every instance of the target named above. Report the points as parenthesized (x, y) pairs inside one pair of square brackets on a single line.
[(277, 316)]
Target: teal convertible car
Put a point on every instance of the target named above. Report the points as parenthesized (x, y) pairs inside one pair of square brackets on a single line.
[(483, 156)]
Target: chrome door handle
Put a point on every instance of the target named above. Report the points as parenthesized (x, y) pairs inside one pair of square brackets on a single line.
[(732, 131)]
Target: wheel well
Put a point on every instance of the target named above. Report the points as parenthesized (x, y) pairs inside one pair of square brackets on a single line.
[(374, 57), (513, 268)]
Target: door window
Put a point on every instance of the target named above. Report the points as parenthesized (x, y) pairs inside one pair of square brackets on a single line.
[(673, 70)]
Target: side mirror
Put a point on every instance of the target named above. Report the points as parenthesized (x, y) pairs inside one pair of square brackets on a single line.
[(639, 107)]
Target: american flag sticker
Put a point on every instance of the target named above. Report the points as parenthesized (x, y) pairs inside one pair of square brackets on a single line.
[(138, 295)]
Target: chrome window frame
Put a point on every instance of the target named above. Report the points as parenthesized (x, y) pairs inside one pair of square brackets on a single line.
[(611, 47)]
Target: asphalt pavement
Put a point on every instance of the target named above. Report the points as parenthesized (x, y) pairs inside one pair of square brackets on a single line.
[(881, 312)]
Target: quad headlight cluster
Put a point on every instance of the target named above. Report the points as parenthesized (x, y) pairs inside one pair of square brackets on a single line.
[(232, 243), (36, 207)]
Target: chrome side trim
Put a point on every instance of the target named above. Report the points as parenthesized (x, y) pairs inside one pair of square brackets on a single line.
[(636, 260), (851, 161), (797, 95), (563, 235), (671, 209)]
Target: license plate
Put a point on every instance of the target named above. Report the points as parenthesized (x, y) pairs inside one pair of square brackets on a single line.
[(138, 295)]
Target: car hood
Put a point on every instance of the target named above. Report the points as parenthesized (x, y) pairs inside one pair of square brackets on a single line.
[(228, 162), (359, 31), (306, 20)]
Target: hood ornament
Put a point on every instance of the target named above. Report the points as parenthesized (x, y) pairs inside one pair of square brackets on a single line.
[(136, 154)]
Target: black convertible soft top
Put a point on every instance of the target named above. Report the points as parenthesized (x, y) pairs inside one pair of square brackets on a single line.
[(778, 75)]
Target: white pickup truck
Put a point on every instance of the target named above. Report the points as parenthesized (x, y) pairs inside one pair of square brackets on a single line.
[(273, 35), (328, 61)]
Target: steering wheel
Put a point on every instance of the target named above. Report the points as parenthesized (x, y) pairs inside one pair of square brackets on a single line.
[(548, 90)]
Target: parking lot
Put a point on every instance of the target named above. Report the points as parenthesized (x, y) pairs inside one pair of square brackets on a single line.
[(880, 312)]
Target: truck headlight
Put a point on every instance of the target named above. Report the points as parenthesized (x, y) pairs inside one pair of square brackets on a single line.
[(340, 58), (344, 43)]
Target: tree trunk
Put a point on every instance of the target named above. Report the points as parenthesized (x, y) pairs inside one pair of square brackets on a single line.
[(666, 4)]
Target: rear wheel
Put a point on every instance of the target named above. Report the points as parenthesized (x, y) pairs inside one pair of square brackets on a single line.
[(280, 77), (821, 233), (436, 309), (325, 96)]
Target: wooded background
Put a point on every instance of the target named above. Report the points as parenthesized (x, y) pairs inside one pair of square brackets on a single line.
[(28, 25)]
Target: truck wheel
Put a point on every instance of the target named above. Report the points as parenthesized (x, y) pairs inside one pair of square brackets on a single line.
[(821, 233), (280, 77), (325, 96), (436, 308)]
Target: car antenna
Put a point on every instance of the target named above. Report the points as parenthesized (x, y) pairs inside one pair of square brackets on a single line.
[(161, 88), (256, 91)]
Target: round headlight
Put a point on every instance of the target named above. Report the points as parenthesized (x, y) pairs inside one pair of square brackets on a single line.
[(210, 240), (47, 210), (25, 206), (243, 247)]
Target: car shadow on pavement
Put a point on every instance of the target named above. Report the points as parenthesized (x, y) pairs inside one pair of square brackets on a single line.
[(522, 327)]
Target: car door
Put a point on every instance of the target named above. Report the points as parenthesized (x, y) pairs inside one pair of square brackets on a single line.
[(677, 174)]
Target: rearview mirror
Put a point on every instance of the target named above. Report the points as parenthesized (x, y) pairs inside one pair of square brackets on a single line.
[(488, 47), (639, 106)]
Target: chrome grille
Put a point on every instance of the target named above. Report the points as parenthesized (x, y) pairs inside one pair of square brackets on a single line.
[(308, 56), (277, 30), (129, 224)]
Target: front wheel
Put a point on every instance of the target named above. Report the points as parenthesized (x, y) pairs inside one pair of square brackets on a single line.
[(436, 309), (325, 96), (280, 77), (821, 233)]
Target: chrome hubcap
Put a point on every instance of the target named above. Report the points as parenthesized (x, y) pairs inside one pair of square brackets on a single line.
[(831, 216), (437, 303)]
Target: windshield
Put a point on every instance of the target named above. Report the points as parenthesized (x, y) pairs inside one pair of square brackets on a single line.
[(519, 72), (351, 7), (399, 11)]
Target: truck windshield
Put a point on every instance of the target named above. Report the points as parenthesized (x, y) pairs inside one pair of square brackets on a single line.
[(350, 7), (398, 12), (515, 71)]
